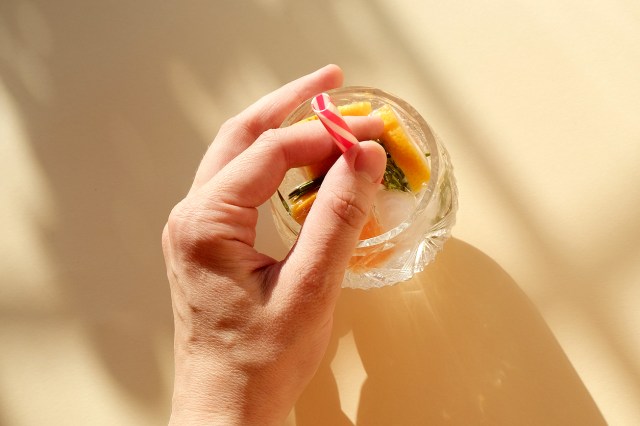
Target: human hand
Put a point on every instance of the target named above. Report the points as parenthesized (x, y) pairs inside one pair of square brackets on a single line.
[(251, 331)]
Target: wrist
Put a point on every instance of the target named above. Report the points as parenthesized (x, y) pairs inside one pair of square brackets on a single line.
[(182, 417), (208, 394), (192, 410), (205, 395)]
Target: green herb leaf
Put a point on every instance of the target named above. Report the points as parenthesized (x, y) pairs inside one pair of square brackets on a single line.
[(394, 178), (305, 188), (284, 202)]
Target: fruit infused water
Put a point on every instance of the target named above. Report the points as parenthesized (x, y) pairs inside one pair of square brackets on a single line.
[(415, 207)]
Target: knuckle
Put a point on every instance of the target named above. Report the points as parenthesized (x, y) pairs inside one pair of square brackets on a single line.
[(181, 230), (269, 136), (267, 142), (176, 228), (229, 125), (248, 126), (348, 206), (270, 148), (204, 234)]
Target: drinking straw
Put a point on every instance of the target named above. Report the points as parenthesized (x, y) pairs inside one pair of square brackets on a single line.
[(332, 120)]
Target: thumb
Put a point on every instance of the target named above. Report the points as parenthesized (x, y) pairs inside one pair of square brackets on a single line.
[(332, 228)]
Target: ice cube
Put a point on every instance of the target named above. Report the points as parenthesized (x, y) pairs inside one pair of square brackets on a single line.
[(393, 207)]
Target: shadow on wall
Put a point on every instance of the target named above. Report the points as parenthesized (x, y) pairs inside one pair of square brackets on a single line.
[(458, 344)]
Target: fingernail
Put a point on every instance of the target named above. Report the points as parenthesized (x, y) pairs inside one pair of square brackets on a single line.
[(370, 165)]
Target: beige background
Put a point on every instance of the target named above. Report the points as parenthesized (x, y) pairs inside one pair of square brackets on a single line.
[(529, 315)]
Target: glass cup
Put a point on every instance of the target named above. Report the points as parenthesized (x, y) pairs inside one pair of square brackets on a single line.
[(406, 249)]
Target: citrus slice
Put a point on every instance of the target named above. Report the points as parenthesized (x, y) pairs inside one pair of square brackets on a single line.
[(361, 264), (371, 229), (405, 153), (302, 206), (355, 108)]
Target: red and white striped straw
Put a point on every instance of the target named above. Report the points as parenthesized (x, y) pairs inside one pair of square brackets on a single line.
[(330, 116)]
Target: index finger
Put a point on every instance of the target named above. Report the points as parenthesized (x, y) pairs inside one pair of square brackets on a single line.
[(238, 133), (254, 176)]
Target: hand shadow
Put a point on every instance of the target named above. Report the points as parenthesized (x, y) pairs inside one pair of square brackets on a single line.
[(458, 344)]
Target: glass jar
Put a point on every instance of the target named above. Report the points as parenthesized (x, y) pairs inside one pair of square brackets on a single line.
[(401, 252)]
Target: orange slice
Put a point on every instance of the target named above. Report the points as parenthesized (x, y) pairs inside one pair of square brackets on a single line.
[(361, 263), (372, 260), (406, 154), (300, 208), (355, 108), (352, 109), (313, 171), (371, 229)]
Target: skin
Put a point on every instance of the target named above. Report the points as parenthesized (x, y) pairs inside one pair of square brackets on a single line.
[(250, 331)]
